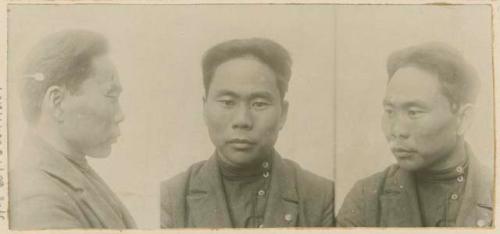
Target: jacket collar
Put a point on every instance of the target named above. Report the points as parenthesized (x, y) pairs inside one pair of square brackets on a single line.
[(58, 166), (399, 201), (477, 205), (208, 206)]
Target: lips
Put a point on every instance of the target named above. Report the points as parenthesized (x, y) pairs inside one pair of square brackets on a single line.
[(401, 152), (241, 144)]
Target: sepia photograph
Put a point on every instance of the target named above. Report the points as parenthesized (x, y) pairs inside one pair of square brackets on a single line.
[(415, 123), (178, 116), (163, 117)]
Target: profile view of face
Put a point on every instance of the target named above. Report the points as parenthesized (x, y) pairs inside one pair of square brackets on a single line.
[(244, 111), (418, 121), (91, 115)]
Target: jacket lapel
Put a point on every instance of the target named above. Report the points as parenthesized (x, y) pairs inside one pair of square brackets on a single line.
[(206, 200), (282, 203), (399, 202), (477, 204), (58, 166)]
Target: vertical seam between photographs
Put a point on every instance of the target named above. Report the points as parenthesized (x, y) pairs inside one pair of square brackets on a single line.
[(335, 77), (493, 52)]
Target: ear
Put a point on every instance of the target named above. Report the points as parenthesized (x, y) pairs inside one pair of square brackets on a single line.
[(53, 101), (284, 113), (205, 109), (465, 115)]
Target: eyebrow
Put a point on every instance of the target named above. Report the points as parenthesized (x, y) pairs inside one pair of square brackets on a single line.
[(225, 93), (406, 104), (259, 94), (262, 94)]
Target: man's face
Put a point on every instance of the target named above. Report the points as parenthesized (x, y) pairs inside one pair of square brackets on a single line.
[(243, 110), (92, 114), (418, 121)]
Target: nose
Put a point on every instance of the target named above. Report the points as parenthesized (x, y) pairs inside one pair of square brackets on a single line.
[(243, 118), (399, 127)]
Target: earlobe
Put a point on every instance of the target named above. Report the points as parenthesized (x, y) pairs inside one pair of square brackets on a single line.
[(465, 116), (53, 101)]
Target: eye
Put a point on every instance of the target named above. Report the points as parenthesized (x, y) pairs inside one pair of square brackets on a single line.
[(388, 111), (414, 113), (227, 103), (260, 104)]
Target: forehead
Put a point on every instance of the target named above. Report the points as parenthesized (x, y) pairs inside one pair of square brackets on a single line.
[(411, 84), (244, 75)]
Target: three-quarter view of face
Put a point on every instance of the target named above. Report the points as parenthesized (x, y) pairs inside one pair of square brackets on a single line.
[(244, 110), (248, 116), (418, 121), (92, 114)]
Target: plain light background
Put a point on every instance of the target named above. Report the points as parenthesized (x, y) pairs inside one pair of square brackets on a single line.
[(157, 51), (366, 35)]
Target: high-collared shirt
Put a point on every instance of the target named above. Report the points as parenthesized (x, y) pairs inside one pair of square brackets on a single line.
[(390, 199), (246, 191), (296, 198), (440, 195)]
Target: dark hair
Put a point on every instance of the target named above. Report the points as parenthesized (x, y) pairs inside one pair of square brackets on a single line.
[(458, 79), (265, 50), (63, 58)]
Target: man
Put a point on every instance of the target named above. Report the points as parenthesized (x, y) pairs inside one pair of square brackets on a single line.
[(437, 181), (246, 183), (70, 98)]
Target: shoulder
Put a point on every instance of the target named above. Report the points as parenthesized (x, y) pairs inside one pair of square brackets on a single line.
[(29, 183), (369, 188), (182, 179), (307, 178), (37, 196), (310, 186)]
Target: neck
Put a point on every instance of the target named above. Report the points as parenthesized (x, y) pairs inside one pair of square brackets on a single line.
[(456, 157), (52, 136), (247, 169)]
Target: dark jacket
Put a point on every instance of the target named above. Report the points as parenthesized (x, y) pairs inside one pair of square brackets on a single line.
[(389, 199), (47, 191), (297, 197)]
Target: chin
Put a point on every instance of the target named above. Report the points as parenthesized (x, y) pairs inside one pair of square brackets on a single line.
[(409, 166), (102, 152), (241, 159)]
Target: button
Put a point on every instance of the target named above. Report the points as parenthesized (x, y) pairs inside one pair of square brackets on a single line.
[(288, 217), (481, 223), (460, 169), (454, 196), (261, 193), (261, 225), (460, 179), (266, 174), (265, 165)]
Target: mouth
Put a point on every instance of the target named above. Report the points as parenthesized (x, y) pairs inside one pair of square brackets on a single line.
[(241, 144), (403, 153), (113, 140)]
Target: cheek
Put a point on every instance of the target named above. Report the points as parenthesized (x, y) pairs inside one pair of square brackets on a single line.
[(435, 135), (93, 119), (268, 123), (384, 124), (217, 122)]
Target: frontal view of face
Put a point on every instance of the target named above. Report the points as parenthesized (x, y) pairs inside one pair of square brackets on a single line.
[(418, 121), (91, 115), (244, 111)]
